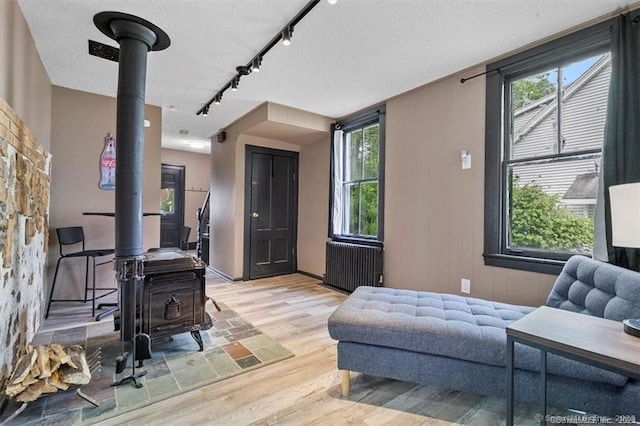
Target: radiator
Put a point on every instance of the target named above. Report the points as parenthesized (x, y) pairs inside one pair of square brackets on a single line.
[(353, 265)]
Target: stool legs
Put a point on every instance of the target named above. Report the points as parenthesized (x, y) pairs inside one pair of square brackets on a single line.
[(93, 298), (53, 285), (86, 277), (86, 286)]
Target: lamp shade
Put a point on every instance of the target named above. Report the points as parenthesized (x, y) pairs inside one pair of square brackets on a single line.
[(625, 215)]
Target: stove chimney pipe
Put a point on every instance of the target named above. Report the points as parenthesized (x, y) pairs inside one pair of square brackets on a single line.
[(136, 37)]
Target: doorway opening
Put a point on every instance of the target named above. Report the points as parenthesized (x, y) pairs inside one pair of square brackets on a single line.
[(171, 205)]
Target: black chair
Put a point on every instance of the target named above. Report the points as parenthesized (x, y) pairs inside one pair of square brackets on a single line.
[(184, 238), (72, 236)]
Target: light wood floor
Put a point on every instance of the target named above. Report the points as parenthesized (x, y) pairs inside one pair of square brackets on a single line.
[(305, 389)]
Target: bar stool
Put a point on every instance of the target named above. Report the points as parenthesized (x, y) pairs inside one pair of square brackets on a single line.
[(72, 236), (184, 238)]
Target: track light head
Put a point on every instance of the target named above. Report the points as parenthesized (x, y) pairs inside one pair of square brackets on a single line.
[(286, 36), (243, 70), (255, 65)]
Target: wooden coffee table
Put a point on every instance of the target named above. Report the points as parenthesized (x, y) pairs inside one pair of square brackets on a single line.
[(592, 340)]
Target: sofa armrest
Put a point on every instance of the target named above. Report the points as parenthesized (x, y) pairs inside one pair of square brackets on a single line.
[(597, 288)]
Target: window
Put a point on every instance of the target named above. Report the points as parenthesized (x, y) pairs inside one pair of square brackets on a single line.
[(166, 201), (357, 178), (546, 110)]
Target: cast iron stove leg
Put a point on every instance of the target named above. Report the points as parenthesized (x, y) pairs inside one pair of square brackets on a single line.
[(198, 338)]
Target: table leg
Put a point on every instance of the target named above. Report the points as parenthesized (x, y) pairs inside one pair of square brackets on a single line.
[(543, 386), (509, 416)]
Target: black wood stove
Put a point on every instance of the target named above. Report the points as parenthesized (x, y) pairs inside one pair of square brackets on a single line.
[(172, 298)]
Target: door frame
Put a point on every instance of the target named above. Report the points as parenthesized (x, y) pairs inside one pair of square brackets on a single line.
[(249, 150), (182, 193)]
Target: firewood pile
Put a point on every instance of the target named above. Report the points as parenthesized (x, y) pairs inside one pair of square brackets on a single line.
[(48, 369)]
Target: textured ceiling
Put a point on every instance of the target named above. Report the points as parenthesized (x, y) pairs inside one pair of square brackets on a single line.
[(342, 58)]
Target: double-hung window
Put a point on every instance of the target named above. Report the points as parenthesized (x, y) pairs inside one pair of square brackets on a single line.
[(546, 111), (357, 178)]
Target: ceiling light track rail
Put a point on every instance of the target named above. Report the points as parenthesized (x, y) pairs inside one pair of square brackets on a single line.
[(254, 64)]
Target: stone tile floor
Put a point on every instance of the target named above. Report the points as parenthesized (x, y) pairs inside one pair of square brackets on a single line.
[(231, 346)]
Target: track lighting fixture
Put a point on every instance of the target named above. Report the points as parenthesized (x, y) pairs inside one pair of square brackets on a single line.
[(243, 70), (255, 65), (256, 61), (286, 36)]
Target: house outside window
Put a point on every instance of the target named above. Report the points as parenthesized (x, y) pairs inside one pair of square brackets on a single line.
[(357, 178), (546, 111)]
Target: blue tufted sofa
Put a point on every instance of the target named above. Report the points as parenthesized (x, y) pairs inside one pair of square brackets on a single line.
[(460, 342)]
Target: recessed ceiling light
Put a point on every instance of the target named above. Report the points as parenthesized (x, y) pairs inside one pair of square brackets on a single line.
[(183, 132), (172, 108)]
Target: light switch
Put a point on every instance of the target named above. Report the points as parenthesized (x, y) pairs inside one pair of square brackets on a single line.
[(465, 159)]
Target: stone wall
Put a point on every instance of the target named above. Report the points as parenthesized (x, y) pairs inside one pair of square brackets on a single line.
[(24, 211)]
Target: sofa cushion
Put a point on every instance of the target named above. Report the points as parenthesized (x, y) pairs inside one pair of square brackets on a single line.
[(447, 325), (596, 288), (440, 324)]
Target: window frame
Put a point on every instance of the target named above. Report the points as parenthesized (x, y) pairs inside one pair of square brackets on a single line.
[(558, 52), (361, 121)]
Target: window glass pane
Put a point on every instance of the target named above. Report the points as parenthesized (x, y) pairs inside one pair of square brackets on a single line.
[(369, 209), (534, 114), (352, 209), (166, 201), (361, 209), (370, 150), (584, 106), (535, 126), (551, 205), (353, 155)]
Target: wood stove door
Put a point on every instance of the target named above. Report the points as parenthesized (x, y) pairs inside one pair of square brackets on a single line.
[(173, 303), (272, 213)]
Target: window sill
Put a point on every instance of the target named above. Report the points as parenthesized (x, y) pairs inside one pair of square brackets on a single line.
[(531, 264), (355, 240)]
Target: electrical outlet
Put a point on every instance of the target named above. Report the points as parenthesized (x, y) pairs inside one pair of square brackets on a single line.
[(465, 286)]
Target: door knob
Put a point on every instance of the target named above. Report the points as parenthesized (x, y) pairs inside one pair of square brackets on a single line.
[(254, 214)]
